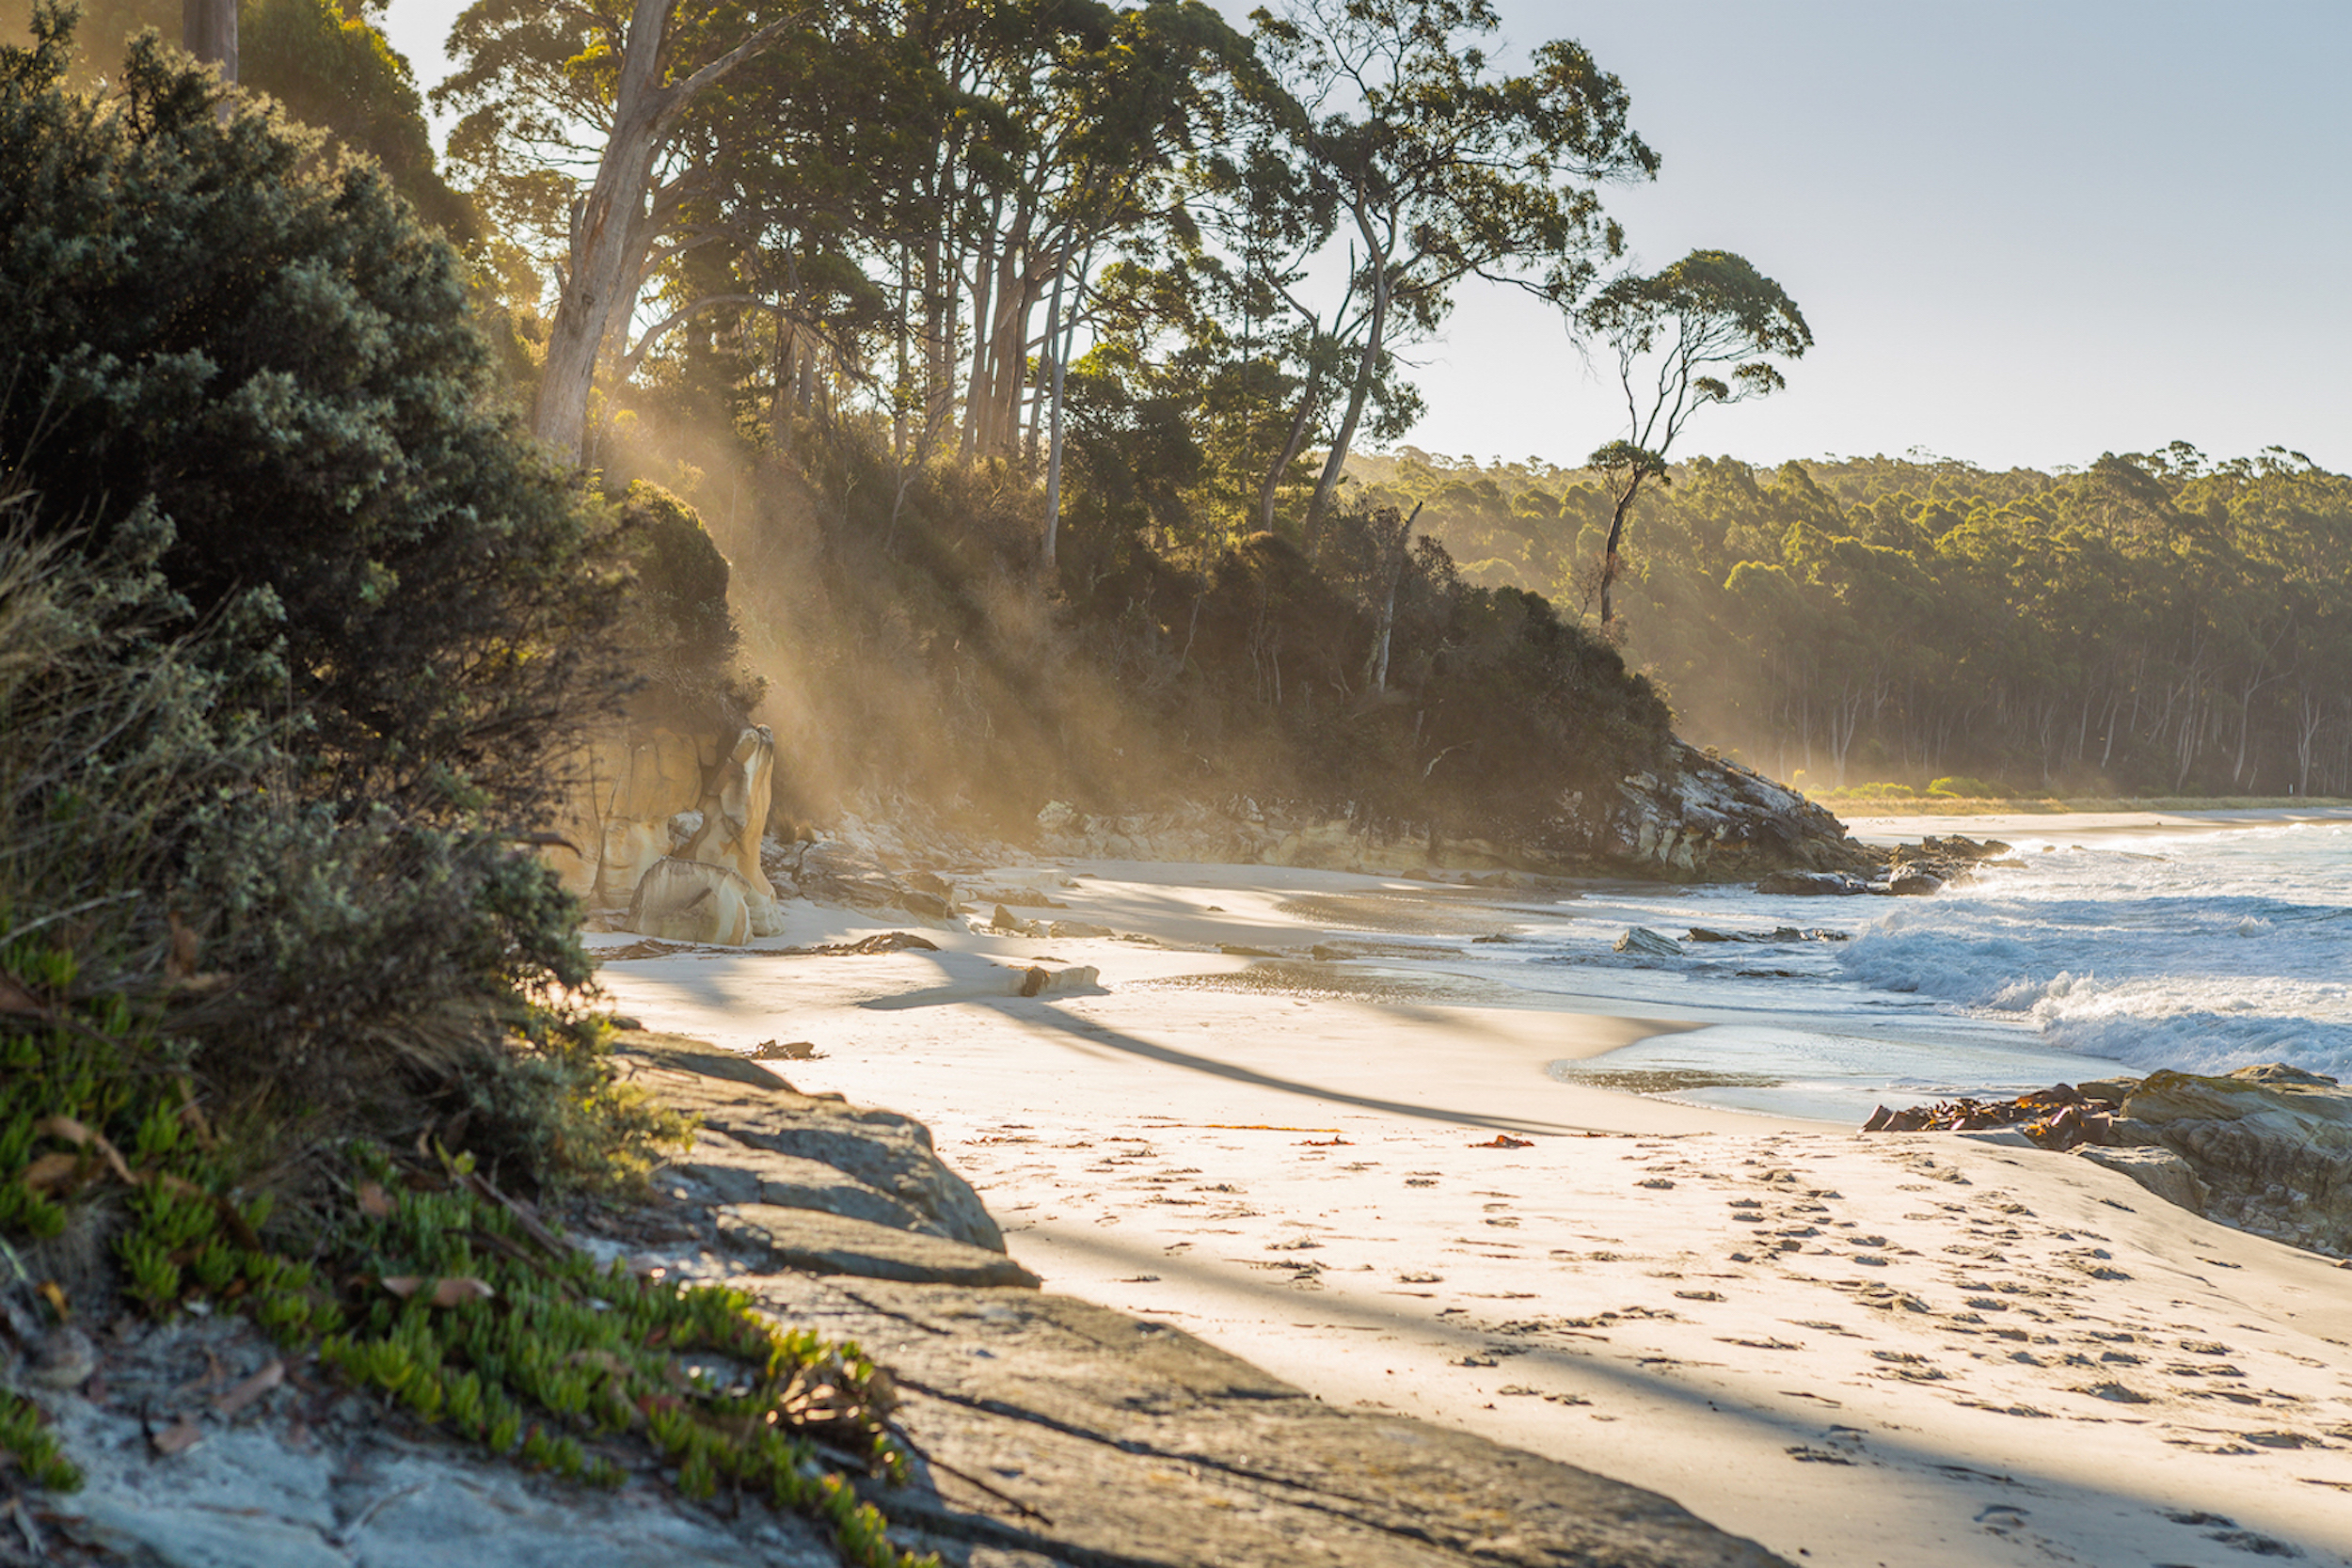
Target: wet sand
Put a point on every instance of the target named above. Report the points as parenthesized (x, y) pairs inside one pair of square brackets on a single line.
[(1855, 1350)]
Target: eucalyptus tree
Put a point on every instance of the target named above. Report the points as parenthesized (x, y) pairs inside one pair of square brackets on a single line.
[(572, 125), (1449, 169), (1671, 331)]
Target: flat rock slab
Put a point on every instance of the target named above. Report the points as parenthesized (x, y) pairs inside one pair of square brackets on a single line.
[(754, 1110), (1058, 1431), (312, 1476), (815, 1241)]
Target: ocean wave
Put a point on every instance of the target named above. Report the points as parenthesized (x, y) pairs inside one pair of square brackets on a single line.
[(2207, 1041), (2180, 969)]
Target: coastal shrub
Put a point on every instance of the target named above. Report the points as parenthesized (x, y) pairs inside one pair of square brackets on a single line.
[(679, 630), (1871, 792), (1962, 787), (292, 631), (214, 314)]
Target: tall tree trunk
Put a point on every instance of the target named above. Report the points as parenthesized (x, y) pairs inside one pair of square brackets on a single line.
[(1052, 456), (1302, 421), (976, 385), (1375, 335), (1609, 558), (607, 239), (1008, 360), (1397, 552), (208, 29)]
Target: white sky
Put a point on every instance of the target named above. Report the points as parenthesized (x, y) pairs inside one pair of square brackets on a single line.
[(2024, 232)]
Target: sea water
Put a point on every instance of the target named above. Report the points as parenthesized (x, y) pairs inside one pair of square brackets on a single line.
[(2205, 943)]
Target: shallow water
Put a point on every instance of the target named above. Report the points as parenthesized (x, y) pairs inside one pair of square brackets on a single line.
[(2205, 947)]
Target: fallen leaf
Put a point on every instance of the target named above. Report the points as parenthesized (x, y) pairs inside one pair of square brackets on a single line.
[(375, 1201), (53, 1293), (72, 1131), (176, 1438), (16, 999), (454, 1291), (251, 1388), (51, 1170)]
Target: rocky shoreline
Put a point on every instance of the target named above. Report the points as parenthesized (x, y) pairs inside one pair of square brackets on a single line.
[(1049, 1431), (2266, 1150)]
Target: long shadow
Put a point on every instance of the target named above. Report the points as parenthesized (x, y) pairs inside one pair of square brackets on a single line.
[(1041, 1014), (2173, 1516)]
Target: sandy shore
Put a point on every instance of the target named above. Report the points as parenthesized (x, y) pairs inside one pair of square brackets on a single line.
[(1856, 1350)]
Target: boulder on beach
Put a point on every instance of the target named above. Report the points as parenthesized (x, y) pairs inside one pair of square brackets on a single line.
[(682, 900), (1648, 943), (2161, 1171), (1910, 881), (2268, 1149), (1037, 980), (2271, 1144)]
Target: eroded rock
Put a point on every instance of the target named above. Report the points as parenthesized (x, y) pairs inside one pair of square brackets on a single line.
[(683, 901), (2268, 1149)]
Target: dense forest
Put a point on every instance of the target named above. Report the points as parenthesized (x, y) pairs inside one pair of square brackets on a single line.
[(1030, 363), (1014, 355), (2152, 623)]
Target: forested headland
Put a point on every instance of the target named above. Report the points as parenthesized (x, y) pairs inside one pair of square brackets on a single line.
[(2151, 624)]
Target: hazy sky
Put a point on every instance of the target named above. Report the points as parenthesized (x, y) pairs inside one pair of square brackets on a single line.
[(2024, 232)]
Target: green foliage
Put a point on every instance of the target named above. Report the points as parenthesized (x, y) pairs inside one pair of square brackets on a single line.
[(925, 660), (2158, 624), (217, 316), (26, 1444), (540, 1356), (335, 69), (330, 67), (681, 636), (281, 697), (1969, 789)]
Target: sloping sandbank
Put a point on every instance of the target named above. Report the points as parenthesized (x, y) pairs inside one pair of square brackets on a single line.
[(1854, 1350)]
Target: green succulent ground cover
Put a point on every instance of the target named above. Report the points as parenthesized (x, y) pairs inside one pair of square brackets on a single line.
[(423, 1283)]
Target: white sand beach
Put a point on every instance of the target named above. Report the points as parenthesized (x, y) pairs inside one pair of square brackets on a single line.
[(1857, 1350)]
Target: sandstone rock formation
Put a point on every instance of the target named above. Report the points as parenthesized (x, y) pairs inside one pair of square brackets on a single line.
[(656, 795), (2266, 1148), (683, 901)]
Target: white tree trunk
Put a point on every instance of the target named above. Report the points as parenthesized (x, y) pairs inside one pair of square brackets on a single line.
[(208, 29), (613, 228)]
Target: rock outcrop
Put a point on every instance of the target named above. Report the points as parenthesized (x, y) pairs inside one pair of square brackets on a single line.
[(2268, 1149), (1699, 818), (683, 901), (656, 796), (2271, 1144), (1642, 942)]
